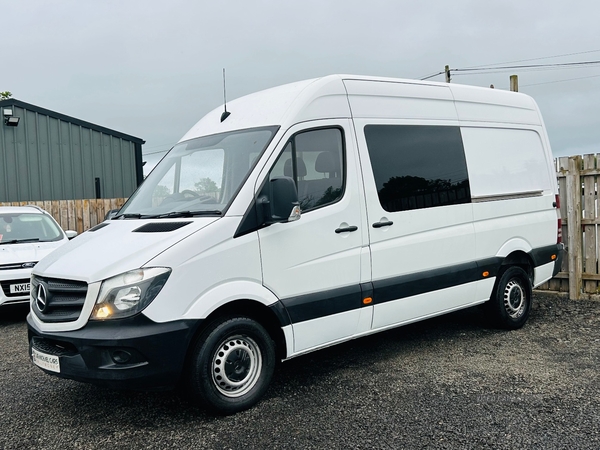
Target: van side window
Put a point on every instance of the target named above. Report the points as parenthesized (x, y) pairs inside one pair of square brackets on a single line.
[(418, 166), (315, 161)]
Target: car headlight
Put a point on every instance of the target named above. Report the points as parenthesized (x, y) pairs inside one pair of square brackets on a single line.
[(129, 293)]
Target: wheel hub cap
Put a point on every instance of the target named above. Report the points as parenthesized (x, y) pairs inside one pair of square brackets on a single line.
[(514, 299), (236, 366)]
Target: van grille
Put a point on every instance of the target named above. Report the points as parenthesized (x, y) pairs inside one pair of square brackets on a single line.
[(59, 300), (56, 348)]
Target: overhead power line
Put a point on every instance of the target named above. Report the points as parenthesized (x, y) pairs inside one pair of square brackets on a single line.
[(498, 67), (522, 68), (434, 75), (486, 72), (158, 151), (537, 59), (560, 81), (529, 66)]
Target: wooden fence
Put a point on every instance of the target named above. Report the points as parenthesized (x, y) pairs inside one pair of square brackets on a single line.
[(578, 178), (78, 215)]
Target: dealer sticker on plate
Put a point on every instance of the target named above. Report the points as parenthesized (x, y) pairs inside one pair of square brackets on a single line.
[(45, 361)]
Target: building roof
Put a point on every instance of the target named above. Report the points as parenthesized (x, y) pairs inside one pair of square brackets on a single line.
[(73, 120)]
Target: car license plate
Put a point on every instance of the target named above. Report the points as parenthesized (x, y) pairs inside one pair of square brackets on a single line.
[(22, 288), (45, 361)]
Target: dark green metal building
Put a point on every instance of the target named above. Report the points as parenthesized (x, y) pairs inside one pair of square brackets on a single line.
[(45, 155)]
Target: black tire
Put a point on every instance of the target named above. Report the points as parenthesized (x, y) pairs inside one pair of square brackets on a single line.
[(231, 365), (510, 304)]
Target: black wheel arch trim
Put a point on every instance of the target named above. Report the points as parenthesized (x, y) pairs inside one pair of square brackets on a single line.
[(543, 255)]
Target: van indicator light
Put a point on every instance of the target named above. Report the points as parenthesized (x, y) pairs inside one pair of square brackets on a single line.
[(486, 274), (367, 301), (103, 312)]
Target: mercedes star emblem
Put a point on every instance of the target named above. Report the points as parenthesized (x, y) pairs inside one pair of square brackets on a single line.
[(42, 297)]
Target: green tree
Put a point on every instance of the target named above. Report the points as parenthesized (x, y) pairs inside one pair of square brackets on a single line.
[(206, 186), (161, 191), (5, 95)]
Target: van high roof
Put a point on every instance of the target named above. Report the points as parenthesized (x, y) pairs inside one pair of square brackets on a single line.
[(328, 97)]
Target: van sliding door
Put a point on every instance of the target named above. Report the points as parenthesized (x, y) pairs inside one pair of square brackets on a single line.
[(420, 219)]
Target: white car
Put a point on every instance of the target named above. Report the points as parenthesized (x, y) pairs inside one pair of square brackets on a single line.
[(27, 234)]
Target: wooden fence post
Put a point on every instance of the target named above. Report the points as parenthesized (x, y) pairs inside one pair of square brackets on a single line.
[(590, 257), (562, 168), (574, 241)]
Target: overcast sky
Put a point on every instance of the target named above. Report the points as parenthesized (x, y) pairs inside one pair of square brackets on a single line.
[(152, 68)]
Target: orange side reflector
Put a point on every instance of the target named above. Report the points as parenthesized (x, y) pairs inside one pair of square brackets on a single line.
[(486, 274), (553, 257), (367, 301)]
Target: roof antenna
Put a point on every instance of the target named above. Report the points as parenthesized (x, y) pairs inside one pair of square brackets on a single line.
[(226, 113)]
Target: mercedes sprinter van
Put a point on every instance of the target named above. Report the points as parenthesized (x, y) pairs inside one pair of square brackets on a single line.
[(301, 217)]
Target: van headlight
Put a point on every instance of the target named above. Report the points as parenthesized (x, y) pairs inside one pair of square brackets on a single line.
[(129, 293)]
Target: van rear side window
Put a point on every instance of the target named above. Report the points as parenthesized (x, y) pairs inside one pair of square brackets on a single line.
[(418, 166)]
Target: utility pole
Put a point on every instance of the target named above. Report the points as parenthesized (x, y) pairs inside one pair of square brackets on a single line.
[(514, 83), (447, 70)]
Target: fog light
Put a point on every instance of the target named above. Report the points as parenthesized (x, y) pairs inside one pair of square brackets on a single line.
[(120, 356)]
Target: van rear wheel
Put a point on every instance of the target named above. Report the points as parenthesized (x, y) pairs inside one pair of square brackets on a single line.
[(510, 304), (231, 364)]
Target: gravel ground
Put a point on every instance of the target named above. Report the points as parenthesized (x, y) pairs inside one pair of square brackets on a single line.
[(448, 382)]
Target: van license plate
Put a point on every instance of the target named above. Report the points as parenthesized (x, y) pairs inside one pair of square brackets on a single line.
[(45, 361), (22, 288)]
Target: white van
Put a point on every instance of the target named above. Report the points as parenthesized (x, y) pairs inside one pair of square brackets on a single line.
[(304, 216)]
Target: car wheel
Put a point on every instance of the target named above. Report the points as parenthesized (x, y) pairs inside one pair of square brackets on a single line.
[(231, 364), (510, 304)]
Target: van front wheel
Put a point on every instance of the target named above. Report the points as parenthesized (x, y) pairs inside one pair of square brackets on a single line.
[(231, 364), (510, 304)]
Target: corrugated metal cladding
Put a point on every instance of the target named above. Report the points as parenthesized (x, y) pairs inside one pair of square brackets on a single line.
[(50, 156)]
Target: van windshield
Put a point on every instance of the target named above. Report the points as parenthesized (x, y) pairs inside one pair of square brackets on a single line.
[(200, 176)]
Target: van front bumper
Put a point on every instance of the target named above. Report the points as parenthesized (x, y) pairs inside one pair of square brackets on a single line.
[(134, 353)]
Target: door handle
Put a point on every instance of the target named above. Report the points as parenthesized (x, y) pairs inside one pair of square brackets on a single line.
[(387, 223), (346, 229)]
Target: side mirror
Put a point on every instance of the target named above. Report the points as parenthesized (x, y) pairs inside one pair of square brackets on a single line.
[(283, 206), (71, 234)]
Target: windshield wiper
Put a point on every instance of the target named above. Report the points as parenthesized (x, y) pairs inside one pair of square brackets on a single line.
[(128, 216), (209, 212), (19, 241)]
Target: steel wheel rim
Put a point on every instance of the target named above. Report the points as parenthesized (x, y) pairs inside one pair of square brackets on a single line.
[(514, 299), (236, 366)]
